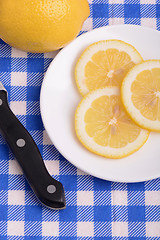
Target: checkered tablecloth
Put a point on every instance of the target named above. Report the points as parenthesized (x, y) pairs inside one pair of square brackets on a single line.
[(96, 209)]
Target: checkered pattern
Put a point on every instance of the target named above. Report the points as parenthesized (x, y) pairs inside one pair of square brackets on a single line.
[(96, 209)]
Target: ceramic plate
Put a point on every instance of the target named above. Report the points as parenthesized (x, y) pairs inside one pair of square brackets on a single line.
[(59, 99)]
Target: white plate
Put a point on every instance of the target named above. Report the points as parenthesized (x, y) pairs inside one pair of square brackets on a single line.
[(59, 99)]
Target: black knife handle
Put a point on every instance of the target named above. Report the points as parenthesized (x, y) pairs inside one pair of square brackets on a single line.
[(49, 191)]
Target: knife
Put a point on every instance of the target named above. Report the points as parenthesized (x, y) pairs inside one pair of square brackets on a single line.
[(48, 190)]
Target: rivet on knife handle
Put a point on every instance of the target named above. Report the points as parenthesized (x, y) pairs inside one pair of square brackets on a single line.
[(49, 191)]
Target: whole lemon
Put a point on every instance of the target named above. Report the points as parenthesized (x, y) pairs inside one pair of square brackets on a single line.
[(41, 25)]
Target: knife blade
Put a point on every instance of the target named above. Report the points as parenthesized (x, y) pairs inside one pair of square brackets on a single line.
[(48, 190)]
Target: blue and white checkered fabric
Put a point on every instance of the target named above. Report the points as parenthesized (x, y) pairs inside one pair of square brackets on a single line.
[(96, 209)]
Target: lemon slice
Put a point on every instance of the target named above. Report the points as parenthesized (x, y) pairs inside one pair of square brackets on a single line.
[(103, 126), (104, 63), (141, 94)]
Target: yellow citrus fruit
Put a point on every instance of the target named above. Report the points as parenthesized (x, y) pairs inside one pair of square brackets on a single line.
[(141, 94), (104, 63), (41, 25), (103, 126)]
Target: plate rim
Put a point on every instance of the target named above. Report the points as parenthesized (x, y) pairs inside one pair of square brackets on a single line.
[(41, 97)]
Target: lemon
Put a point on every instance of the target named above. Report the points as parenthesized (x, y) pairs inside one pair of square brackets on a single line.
[(104, 63), (41, 25), (141, 94), (103, 126)]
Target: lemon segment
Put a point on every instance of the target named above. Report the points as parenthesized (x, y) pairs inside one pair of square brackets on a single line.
[(103, 126), (104, 63), (141, 94)]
